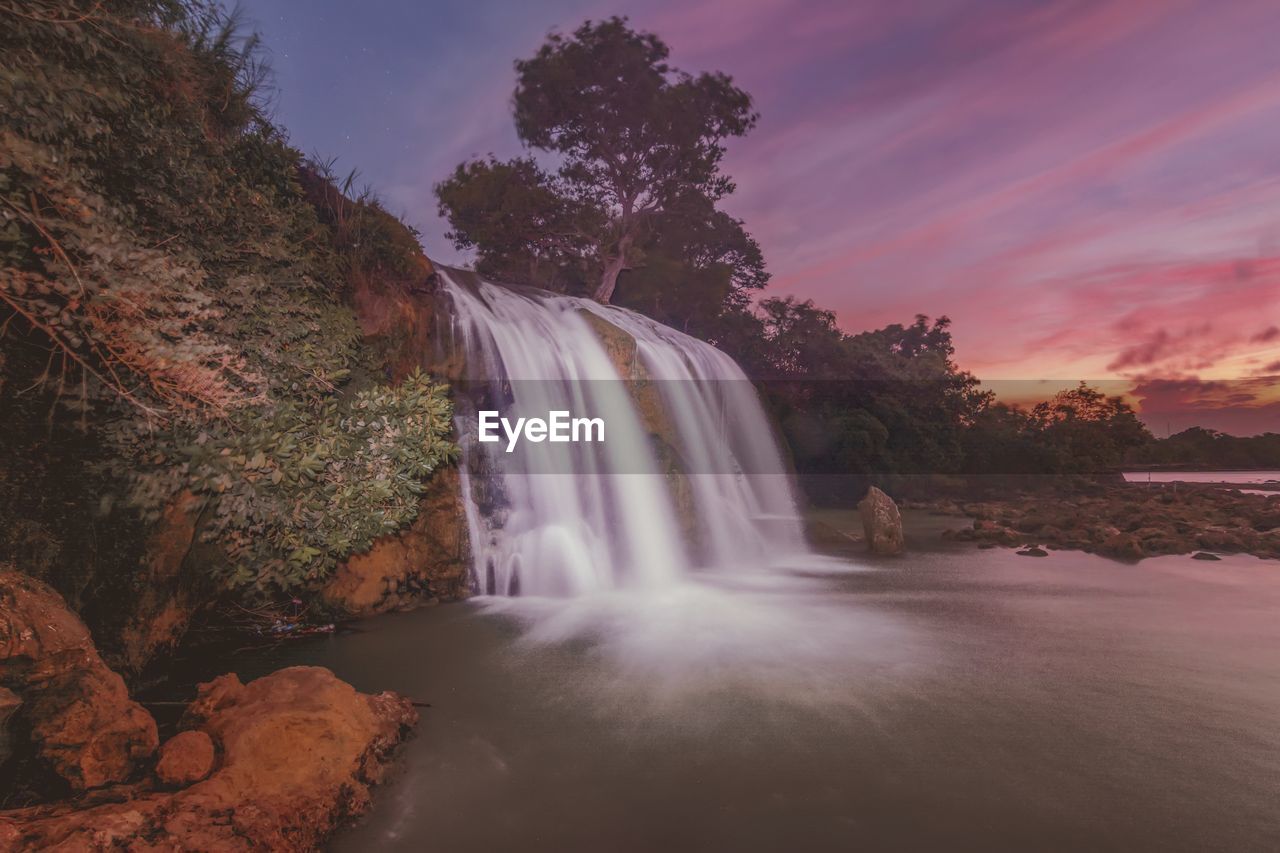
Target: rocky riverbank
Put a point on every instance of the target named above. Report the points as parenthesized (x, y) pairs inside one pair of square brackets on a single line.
[(1128, 521), (277, 763)]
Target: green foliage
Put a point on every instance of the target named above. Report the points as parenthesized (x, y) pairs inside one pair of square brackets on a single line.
[(167, 283), (1087, 431), (368, 239), (639, 146), (636, 134), (1079, 431), (296, 492), (1210, 448), (890, 401), (700, 268), (525, 228)]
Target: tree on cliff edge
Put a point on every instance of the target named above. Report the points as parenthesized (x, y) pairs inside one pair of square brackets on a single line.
[(639, 144)]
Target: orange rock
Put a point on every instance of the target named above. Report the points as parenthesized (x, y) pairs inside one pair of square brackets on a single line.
[(425, 561), (300, 749), (185, 758), (163, 606), (81, 718), (10, 702)]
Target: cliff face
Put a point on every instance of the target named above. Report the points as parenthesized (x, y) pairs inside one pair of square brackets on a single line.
[(425, 562), (204, 337)]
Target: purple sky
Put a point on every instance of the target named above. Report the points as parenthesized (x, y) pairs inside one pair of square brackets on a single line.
[(1089, 190)]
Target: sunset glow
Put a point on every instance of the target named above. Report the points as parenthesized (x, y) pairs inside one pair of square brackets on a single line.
[(1089, 190)]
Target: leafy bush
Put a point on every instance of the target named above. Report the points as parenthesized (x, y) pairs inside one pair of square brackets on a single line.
[(294, 493), (166, 284)]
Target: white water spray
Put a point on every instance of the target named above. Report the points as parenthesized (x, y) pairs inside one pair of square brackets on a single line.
[(570, 518)]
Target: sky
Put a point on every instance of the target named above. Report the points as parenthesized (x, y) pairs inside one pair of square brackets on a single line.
[(1089, 190)]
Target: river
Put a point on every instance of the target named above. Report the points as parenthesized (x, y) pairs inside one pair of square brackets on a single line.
[(952, 698), (1211, 477)]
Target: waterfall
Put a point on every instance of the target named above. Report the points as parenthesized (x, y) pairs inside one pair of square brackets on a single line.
[(687, 479)]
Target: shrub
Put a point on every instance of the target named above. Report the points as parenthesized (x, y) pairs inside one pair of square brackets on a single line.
[(166, 286)]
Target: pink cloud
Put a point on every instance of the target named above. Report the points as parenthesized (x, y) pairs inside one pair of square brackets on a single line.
[(1239, 407)]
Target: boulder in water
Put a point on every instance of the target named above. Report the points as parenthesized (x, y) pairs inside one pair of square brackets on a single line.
[(881, 523), (81, 719)]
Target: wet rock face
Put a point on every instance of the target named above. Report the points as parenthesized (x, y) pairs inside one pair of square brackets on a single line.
[(881, 523), (426, 562), (163, 607), (298, 751), (623, 351), (10, 702), (81, 719)]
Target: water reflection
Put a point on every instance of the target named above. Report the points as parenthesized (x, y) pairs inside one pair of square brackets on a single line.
[(955, 699)]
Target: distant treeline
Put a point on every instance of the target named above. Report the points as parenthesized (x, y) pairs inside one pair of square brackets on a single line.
[(892, 405), (1206, 448), (881, 405)]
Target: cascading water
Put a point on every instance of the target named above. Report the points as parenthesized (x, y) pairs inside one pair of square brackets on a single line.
[(638, 509)]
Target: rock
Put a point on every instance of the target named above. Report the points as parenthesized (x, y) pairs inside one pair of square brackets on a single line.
[(623, 351), (1131, 521), (1204, 555), (300, 749), (1221, 539), (81, 719), (185, 758), (10, 702), (163, 606), (1003, 536), (428, 560), (1049, 533), (1030, 523), (1123, 545), (1102, 532), (881, 523), (1032, 552)]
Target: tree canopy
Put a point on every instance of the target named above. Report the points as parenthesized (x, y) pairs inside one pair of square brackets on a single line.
[(638, 145)]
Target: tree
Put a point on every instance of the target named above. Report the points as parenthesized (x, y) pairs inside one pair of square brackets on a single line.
[(639, 145), (699, 269), (524, 227), (1088, 430)]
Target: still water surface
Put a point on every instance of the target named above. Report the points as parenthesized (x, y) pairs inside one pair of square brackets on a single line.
[(1240, 477), (951, 699)]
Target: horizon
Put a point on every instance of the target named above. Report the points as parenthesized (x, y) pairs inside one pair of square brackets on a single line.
[(1023, 171)]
